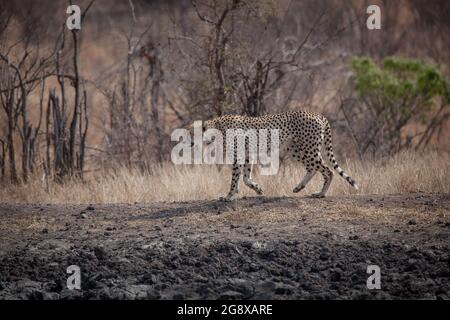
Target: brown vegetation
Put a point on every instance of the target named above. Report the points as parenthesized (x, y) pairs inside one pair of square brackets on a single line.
[(404, 173), (106, 98)]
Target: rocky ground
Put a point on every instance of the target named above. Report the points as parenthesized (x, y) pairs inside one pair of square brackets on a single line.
[(254, 248)]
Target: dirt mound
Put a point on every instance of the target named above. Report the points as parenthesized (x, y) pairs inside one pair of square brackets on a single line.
[(254, 248)]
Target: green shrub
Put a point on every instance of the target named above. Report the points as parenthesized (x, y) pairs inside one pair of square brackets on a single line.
[(396, 93)]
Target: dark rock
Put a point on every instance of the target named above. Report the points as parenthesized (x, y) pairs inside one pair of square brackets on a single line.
[(231, 295), (283, 289), (267, 286), (50, 296), (336, 275), (100, 253), (243, 286), (36, 295), (140, 291), (324, 256), (178, 296)]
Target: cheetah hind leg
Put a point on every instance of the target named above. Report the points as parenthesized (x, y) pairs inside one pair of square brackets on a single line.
[(248, 179), (308, 176), (234, 189), (328, 177)]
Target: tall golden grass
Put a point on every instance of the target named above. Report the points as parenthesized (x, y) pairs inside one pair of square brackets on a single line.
[(404, 173)]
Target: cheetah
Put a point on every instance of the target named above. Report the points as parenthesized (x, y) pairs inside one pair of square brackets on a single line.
[(302, 134)]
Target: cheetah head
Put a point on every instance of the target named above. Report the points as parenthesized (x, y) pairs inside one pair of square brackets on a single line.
[(208, 124)]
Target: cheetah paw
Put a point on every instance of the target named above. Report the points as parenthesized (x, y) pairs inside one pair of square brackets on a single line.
[(298, 189), (258, 191), (226, 199), (318, 195)]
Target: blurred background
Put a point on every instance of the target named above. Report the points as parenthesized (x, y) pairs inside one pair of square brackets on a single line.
[(74, 102)]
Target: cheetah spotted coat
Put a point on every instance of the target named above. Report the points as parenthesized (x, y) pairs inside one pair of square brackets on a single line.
[(302, 135)]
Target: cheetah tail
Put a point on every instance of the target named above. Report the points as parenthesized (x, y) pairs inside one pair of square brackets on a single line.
[(332, 159)]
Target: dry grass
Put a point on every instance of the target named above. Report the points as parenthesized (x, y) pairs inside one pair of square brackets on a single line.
[(407, 172)]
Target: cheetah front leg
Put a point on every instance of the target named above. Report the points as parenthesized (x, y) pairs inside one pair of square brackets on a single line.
[(308, 163), (235, 175), (248, 179)]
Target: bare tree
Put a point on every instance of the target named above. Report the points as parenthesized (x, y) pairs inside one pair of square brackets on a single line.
[(231, 70), (67, 133), (21, 69), (137, 103)]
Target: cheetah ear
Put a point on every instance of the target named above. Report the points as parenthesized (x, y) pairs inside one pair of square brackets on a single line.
[(205, 125)]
